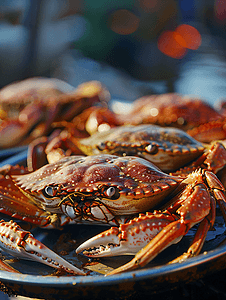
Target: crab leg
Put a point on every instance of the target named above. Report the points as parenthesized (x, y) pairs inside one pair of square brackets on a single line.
[(129, 238), (168, 236), (200, 235), (165, 238), (197, 243), (196, 204), (125, 242), (15, 204), (190, 212), (21, 243)]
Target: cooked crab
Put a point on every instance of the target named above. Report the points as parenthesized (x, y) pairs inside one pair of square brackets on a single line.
[(109, 189), (26, 104), (168, 148), (170, 109), (149, 234), (213, 130), (94, 119)]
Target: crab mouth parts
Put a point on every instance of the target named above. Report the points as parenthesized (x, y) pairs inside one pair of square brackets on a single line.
[(86, 209)]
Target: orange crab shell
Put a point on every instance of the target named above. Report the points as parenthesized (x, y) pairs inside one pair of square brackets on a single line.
[(140, 184), (208, 132), (29, 107), (46, 89), (168, 148), (170, 110)]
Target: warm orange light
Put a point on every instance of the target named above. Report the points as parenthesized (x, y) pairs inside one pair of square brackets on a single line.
[(190, 36), (168, 44), (124, 22), (175, 43), (179, 39)]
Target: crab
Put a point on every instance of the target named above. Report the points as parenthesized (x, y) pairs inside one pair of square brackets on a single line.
[(149, 234), (167, 147), (111, 190), (172, 109), (94, 119), (41, 101), (77, 189), (185, 113), (213, 130)]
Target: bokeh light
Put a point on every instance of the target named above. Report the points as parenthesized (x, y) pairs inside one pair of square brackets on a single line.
[(190, 36), (175, 43), (124, 22), (168, 44)]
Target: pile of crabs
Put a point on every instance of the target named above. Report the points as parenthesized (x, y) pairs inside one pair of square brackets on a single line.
[(151, 173)]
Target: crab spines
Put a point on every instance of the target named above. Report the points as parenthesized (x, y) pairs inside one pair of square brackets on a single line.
[(150, 234), (213, 159), (106, 243), (172, 233), (21, 243), (128, 239), (168, 148), (16, 204), (138, 185)]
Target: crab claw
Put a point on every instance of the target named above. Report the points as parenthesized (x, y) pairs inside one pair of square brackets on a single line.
[(128, 239), (21, 243), (106, 243)]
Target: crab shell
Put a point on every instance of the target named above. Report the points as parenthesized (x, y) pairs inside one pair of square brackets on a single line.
[(49, 95), (125, 185), (29, 107), (170, 109), (46, 89), (168, 148), (211, 131)]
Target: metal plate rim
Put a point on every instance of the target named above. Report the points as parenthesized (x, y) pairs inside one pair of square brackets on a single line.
[(140, 274)]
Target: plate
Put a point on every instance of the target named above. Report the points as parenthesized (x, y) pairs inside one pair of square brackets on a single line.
[(7, 154), (39, 281)]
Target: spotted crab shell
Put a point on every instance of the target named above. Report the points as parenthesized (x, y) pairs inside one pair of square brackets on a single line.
[(141, 184), (171, 109), (168, 148)]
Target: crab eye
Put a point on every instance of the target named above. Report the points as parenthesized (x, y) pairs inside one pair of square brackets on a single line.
[(112, 193), (152, 149), (101, 146), (49, 191)]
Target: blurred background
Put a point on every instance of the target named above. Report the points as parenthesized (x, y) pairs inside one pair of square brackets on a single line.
[(134, 47)]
